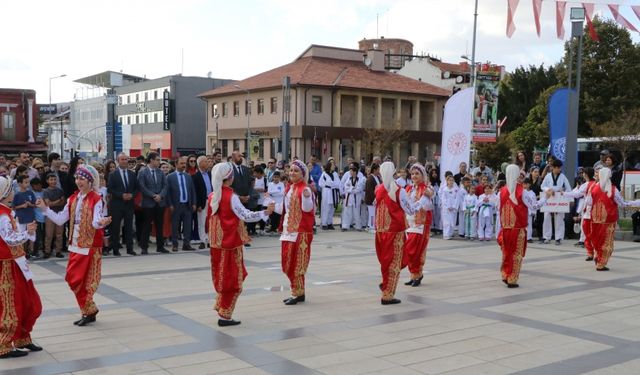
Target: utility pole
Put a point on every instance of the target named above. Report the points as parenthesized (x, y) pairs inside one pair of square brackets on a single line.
[(286, 116)]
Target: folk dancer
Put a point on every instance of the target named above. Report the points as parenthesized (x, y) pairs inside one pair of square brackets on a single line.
[(20, 304), (84, 211), (226, 213), (583, 193), (296, 229), (513, 233), (392, 203), (353, 192), (419, 226)]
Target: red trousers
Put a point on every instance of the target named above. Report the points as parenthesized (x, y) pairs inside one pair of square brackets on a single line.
[(513, 243), (83, 277), (389, 251), (588, 242), (414, 252), (295, 261), (228, 273), (20, 307), (602, 239)]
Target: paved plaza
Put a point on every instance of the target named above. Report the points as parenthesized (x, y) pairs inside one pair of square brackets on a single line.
[(156, 315)]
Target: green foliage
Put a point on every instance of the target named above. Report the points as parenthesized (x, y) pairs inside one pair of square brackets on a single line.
[(495, 153), (534, 132), (519, 92)]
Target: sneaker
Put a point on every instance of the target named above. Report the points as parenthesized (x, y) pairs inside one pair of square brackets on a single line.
[(546, 242), (558, 242)]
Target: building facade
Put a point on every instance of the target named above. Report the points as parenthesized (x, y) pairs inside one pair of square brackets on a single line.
[(338, 96), (141, 110), (19, 123)]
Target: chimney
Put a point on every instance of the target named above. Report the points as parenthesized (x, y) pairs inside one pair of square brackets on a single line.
[(374, 59)]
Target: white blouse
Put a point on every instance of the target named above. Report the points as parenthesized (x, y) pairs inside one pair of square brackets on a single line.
[(307, 206)]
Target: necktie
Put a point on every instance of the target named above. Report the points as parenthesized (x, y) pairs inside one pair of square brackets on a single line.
[(124, 178), (183, 189), (155, 179), (239, 170)]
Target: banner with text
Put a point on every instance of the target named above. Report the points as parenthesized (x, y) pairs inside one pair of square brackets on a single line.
[(485, 110), (456, 131)]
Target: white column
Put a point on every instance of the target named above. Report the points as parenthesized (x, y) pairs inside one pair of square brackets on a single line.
[(30, 120)]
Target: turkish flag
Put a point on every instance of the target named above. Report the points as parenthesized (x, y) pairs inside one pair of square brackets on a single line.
[(511, 11), (560, 8), (588, 9), (537, 9)]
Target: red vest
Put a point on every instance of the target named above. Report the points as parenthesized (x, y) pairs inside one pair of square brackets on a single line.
[(88, 236), (9, 252), (226, 231), (390, 216), (298, 220), (604, 210), (513, 215), (422, 216)]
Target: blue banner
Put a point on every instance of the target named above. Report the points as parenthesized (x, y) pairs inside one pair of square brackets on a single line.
[(558, 122)]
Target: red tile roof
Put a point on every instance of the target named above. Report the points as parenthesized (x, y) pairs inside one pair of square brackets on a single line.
[(453, 68), (331, 73)]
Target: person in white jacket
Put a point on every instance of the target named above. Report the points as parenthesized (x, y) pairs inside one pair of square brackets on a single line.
[(330, 184), (470, 214), (463, 191), (450, 202), (353, 190), (529, 198), (557, 182), (486, 207)]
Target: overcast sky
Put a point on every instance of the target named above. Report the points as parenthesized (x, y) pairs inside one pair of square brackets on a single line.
[(238, 39)]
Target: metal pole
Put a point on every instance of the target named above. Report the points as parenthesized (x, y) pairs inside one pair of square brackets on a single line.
[(572, 128), (473, 47), (248, 127)]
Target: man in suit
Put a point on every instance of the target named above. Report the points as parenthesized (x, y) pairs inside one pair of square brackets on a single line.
[(202, 184), (181, 198), (242, 180), (153, 185), (123, 186)]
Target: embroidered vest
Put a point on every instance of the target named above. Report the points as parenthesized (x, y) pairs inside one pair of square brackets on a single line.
[(88, 236), (604, 210), (421, 216), (9, 252), (390, 216), (298, 220), (513, 215), (226, 231)]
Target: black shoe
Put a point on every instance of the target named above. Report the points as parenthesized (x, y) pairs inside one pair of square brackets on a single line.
[(505, 281), (588, 259), (202, 246), (78, 321), (324, 227), (14, 354), (59, 255), (144, 252), (529, 241), (31, 347), (86, 320), (393, 301), (380, 286), (603, 269), (162, 250), (116, 252), (247, 245), (558, 242), (187, 248), (46, 256), (410, 282), (417, 282), (511, 286), (227, 323), (174, 248), (330, 227), (294, 300), (131, 252)]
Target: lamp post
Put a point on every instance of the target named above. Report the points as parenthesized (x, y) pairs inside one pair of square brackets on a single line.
[(61, 135), (248, 107), (577, 17)]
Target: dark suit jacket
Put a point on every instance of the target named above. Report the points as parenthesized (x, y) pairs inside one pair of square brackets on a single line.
[(242, 183), (150, 187), (173, 190), (201, 189), (115, 187)]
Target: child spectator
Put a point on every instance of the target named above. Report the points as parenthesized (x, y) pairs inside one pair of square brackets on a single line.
[(24, 203), (36, 187), (275, 189), (54, 198), (486, 206)]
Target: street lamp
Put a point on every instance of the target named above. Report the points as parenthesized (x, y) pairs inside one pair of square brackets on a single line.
[(61, 135), (216, 116), (248, 119), (577, 17)]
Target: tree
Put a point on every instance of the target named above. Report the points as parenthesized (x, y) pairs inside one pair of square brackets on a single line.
[(495, 153), (381, 141), (610, 74), (519, 92), (534, 133), (622, 133)]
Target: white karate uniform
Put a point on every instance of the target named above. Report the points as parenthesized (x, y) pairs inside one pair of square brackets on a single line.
[(561, 184), (328, 183), (437, 211), (450, 204), (462, 194), (470, 216), (353, 191), (529, 196), (485, 216)]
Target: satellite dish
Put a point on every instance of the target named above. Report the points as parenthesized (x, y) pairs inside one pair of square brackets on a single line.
[(367, 62), (459, 79), (446, 75)]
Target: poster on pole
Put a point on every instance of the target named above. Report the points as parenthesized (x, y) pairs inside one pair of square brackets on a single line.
[(485, 110)]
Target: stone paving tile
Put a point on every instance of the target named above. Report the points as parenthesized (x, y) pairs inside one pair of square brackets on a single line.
[(444, 364)]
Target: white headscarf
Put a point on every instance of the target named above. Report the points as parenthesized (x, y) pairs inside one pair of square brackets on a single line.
[(605, 181), (5, 186), (512, 173), (387, 169), (219, 173)]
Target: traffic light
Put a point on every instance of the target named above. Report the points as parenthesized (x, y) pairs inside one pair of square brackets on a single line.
[(65, 133)]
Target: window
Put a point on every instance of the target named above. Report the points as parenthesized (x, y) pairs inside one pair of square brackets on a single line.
[(225, 109), (146, 119), (155, 117), (128, 99), (247, 107), (225, 146), (214, 108), (274, 105), (261, 106), (155, 95), (236, 144), (316, 104), (137, 119), (8, 126), (137, 98), (128, 120), (410, 110), (236, 108), (146, 96), (120, 119)]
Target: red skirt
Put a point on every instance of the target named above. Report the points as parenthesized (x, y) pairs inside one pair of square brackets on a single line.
[(588, 243), (83, 277), (228, 273), (513, 243), (295, 261), (602, 239), (389, 251)]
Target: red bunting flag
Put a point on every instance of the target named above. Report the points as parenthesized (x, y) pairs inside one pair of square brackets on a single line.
[(588, 10), (636, 10), (537, 8), (560, 8), (511, 11), (620, 18)]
